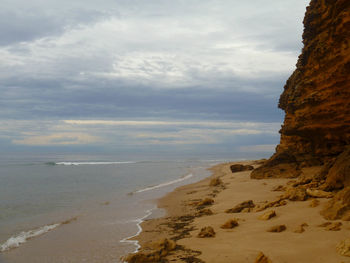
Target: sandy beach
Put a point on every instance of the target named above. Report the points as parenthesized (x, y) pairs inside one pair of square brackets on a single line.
[(301, 234)]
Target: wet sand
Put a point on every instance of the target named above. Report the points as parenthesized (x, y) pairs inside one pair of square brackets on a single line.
[(244, 242)]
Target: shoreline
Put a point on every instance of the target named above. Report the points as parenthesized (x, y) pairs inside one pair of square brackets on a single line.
[(138, 221), (304, 239)]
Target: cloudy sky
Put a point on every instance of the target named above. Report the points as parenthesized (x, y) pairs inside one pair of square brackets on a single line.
[(145, 75)]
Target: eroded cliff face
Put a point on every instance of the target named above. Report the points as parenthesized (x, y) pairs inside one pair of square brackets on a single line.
[(316, 101), (316, 97)]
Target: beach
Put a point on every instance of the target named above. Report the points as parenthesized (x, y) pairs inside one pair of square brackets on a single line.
[(300, 233)]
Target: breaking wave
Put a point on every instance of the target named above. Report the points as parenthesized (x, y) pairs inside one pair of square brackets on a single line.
[(89, 163), (165, 184), (17, 240)]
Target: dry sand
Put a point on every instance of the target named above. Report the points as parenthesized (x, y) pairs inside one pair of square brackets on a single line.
[(244, 242)]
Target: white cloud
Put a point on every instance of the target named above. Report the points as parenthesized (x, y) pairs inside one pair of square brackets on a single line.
[(200, 44), (56, 139), (131, 132)]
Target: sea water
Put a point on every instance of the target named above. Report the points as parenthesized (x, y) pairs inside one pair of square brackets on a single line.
[(82, 209)]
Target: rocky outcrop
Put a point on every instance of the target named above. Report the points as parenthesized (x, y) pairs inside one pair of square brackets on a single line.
[(154, 253), (338, 175), (339, 206), (240, 168), (316, 98)]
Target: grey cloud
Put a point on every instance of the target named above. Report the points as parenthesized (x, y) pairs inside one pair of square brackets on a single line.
[(107, 99), (24, 23)]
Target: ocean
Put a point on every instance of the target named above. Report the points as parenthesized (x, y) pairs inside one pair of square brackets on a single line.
[(83, 208)]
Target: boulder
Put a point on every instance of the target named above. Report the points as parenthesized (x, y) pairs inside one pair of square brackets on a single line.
[(207, 231), (238, 208)]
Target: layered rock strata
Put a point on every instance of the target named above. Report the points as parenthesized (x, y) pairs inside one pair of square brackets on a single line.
[(316, 97), (316, 101)]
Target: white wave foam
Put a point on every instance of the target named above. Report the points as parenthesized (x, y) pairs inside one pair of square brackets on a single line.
[(91, 163), (165, 184), (139, 230), (16, 241)]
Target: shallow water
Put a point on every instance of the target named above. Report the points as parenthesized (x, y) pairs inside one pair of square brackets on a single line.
[(105, 198)]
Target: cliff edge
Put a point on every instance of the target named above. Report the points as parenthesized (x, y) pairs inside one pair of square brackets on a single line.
[(316, 101)]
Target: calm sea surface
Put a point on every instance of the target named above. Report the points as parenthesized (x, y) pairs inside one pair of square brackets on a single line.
[(66, 209)]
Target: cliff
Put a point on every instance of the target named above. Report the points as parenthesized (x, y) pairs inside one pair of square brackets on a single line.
[(316, 101)]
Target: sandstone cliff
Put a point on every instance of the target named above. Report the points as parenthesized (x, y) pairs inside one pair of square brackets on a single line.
[(316, 101)]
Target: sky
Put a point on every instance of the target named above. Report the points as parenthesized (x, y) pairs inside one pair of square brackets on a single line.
[(145, 76)]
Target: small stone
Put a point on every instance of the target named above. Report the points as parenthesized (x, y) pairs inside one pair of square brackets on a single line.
[(267, 215), (325, 224), (238, 208), (277, 229), (346, 217), (207, 231), (159, 249), (281, 203), (296, 194), (334, 226), (261, 258), (164, 244), (343, 248), (300, 229), (215, 182), (318, 193), (205, 202), (314, 203), (276, 203), (204, 212), (279, 188), (232, 223)]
